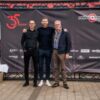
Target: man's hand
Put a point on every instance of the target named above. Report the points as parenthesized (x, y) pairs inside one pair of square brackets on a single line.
[(67, 56), (24, 30), (65, 30)]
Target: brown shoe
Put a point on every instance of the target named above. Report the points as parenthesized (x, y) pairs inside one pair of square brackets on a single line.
[(65, 86), (55, 85)]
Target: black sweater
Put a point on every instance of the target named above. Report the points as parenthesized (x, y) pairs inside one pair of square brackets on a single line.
[(45, 38)]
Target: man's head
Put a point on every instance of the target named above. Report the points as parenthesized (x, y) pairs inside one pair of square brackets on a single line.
[(58, 25), (32, 24), (45, 22)]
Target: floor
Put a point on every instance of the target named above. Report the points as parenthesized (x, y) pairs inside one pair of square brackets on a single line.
[(13, 90)]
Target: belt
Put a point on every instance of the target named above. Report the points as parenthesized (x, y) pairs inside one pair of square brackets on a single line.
[(55, 49)]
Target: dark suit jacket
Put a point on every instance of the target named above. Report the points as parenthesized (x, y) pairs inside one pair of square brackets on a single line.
[(64, 45)]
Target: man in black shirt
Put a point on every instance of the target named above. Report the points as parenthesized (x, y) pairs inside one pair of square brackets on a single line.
[(29, 45), (45, 39)]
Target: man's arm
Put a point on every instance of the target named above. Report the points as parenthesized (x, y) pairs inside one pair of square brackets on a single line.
[(23, 40), (68, 40), (38, 37)]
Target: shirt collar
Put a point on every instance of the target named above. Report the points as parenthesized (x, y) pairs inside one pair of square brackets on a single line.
[(58, 32)]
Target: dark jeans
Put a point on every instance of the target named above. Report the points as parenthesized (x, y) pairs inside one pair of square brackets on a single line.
[(44, 55), (27, 55)]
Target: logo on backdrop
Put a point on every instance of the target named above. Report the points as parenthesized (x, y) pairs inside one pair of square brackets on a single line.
[(92, 17), (15, 21)]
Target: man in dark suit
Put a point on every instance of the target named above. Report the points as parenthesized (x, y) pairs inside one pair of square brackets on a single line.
[(61, 48), (29, 45)]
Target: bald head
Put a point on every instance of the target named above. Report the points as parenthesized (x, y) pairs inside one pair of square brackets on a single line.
[(58, 25)]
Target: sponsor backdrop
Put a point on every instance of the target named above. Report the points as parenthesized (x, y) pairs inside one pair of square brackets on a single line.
[(83, 26)]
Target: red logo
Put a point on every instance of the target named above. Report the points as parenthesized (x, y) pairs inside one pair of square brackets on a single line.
[(15, 22), (92, 17)]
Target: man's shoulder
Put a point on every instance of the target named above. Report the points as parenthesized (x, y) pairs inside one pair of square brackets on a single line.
[(24, 33), (36, 31), (51, 27), (39, 28)]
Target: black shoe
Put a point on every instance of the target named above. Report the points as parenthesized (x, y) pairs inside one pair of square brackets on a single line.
[(65, 86), (25, 84), (55, 85), (35, 85)]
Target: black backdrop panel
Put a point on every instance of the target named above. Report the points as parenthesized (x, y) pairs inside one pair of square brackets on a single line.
[(83, 26)]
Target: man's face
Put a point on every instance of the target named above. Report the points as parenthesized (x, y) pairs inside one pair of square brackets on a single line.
[(32, 24), (57, 25), (44, 22)]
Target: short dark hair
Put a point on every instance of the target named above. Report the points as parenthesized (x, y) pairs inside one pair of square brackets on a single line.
[(44, 18)]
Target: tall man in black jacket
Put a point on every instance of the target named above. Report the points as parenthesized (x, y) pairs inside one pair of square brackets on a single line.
[(29, 45), (61, 46)]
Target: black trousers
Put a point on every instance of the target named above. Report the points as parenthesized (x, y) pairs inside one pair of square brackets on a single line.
[(44, 56), (27, 55)]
